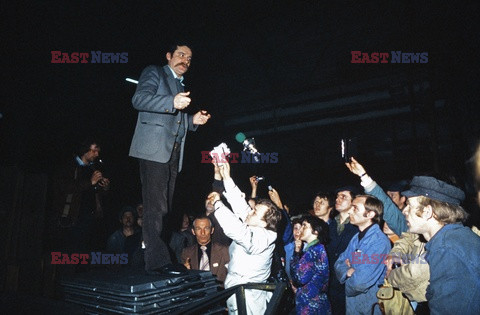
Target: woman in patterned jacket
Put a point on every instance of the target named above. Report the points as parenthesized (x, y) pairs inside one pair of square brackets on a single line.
[(309, 268)]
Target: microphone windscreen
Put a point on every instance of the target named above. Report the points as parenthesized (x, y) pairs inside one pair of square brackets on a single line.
[(240, 137)]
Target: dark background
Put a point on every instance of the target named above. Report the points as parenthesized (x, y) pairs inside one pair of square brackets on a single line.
[(279, 71)]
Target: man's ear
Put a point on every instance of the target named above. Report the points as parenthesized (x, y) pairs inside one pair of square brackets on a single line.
[(193, 232), (371, 214), (168, 56), (211, 231), (428, 212), (403, 199)]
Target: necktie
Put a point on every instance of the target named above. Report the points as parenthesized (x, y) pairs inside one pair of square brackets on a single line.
[(204, 263), (179, 85)]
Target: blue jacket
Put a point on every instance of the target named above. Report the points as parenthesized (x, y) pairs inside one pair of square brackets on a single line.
[(454, 257), (366, 258), (391, 214)]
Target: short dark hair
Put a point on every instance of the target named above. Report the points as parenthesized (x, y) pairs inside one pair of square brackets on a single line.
[(272, 215), (325, 195), (84, 146), (179, 42), (319, 226), (126, 209), (297, 220)]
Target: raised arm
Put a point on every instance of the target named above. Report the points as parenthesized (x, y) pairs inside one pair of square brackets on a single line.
[(391, 214)]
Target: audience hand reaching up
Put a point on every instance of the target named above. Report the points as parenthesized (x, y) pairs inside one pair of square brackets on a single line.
[(275, 198), (356, 168)]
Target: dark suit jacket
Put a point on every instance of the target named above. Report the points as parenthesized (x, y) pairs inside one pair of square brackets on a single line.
[(218, 259), (158, 121), (337, 245)]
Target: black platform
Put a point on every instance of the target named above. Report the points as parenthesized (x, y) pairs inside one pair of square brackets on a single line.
[(133, 291)]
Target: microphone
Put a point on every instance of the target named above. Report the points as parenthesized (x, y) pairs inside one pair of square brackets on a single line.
[(248, 145)]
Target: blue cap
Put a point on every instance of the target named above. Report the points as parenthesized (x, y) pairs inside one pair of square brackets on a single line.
[(434, 189)]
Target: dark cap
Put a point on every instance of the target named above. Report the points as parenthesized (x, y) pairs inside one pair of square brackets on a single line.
[(399, 186), (434, 189)]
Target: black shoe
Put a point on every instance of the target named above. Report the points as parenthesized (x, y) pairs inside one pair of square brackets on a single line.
[(168, 269), (174, 269)]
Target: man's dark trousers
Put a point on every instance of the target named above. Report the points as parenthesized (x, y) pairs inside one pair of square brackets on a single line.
[(158, 185)]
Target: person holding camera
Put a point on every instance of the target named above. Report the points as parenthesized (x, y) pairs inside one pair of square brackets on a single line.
[(253, 233), (77, 189)]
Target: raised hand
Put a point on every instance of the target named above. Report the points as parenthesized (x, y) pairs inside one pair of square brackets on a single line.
[(355, 167), (275, 198), (225, 170)]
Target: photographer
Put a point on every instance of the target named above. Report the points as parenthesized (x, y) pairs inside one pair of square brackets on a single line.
[(77, 188), (253, 234)]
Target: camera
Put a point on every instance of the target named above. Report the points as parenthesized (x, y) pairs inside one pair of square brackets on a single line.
[(348, 148)]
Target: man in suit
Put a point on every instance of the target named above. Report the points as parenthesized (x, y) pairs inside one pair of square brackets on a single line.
[(206, 255), (158, 143)]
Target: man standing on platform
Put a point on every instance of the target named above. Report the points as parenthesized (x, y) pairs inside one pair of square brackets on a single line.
[(158, 143)]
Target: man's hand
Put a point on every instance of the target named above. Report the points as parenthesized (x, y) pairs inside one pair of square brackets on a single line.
[(214, 196), (350, 270), (355, 167), (298, 246), (216, 170), (187, 264), (390, 261), (225, 170), (201, 117), (275, 198), (96, 177), (104, 183), (181, 100), (254, 184)]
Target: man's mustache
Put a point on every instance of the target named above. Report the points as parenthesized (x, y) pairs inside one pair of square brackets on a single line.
[(182, 64)]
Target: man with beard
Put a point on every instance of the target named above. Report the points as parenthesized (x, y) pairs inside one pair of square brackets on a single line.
[(158, 143), (78, 186)]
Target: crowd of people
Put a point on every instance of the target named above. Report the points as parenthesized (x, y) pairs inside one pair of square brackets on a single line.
[(339, 256)]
